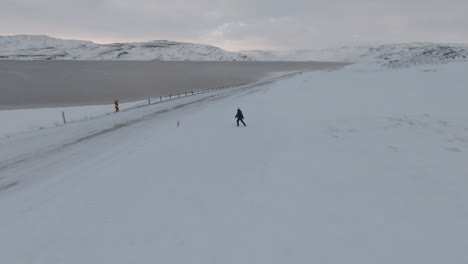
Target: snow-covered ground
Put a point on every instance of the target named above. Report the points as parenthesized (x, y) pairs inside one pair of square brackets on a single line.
[(358, 165), (32, 47)]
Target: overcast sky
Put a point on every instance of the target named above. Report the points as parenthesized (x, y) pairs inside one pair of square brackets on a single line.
[(241, 24)]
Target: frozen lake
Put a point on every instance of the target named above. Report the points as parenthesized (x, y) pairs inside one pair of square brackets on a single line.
[(25, 84)]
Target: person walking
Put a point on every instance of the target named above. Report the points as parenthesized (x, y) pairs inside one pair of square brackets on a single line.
[(240, 117)]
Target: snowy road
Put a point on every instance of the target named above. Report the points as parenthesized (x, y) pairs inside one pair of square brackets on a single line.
[(327, 171)]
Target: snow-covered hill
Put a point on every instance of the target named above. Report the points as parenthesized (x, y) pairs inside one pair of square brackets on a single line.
[(413, 54), (32, 47), (27, 47), (392, 55), (347, 54)]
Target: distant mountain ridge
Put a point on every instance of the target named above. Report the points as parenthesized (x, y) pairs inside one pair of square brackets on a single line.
[(413, 54), (387, 56), (38, 47)]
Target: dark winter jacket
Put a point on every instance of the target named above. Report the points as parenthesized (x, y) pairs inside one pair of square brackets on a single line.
[(239, 115)]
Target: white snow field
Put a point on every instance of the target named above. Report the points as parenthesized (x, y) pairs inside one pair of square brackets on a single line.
[(346, 166)]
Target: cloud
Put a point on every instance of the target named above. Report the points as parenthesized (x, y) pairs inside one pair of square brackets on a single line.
[(242, 24)]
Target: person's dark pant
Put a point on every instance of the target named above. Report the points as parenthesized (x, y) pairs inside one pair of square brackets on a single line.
[(241, 121)]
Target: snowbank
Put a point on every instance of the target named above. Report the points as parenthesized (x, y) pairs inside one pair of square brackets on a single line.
[(20, 121)]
